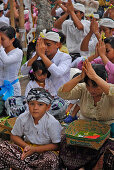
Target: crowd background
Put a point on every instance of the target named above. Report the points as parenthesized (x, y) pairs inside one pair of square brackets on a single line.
[(80, 39)]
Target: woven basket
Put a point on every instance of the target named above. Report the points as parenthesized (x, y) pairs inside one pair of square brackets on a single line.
[(87, 126), (7, 125)]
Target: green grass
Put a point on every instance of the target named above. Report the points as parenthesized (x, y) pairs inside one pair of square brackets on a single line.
[(24, 60)]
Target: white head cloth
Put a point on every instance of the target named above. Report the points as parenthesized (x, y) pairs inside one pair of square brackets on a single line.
[(107, 22), (53, 36), (79, 7)]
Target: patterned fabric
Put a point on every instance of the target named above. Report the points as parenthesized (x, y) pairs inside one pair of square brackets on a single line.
[(58, 108), (75, 157), (15, 105), (10, 156), (108, 160), (40, 95)]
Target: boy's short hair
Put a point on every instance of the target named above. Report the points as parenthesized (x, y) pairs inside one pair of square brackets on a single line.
[(40, 95)]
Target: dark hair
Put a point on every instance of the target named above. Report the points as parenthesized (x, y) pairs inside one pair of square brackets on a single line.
[(62, 37), (66, 17), (100, 71), (83, 14), (11, 33), (31, 48), (1, 2), (109, 40), (77, 74), (38, 65)]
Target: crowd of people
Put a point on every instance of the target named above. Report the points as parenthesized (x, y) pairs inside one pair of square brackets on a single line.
[(71, 72)]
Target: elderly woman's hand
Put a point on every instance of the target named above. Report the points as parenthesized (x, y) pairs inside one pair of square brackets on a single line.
[(89, 70)]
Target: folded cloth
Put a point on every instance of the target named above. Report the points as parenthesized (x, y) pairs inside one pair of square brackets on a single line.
[(70, 119), (7, 89)]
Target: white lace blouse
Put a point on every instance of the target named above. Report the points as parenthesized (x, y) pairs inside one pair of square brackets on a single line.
[(9, 67)]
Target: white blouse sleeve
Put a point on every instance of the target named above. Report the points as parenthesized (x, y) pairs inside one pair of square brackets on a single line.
[(25, 69), (62, 68), (14, 57)]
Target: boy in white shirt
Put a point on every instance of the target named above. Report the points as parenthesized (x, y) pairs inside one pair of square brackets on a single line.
[(75, 29), (57, 62), (41, 134)]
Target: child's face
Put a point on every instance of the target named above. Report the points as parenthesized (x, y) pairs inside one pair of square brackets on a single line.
[(39, 76), (110, 52), (37, 109)]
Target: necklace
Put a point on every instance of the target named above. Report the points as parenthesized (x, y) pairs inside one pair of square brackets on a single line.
[(41, 84)]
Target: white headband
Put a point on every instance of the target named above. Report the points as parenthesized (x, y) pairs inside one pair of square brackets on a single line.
[(53, 36), (79, 7), (107, 22)]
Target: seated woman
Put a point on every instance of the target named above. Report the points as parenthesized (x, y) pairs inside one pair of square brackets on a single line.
[(10, 61), (96, 103)]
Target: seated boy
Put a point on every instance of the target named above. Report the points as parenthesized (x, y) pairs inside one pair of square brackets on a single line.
[(36, 134)]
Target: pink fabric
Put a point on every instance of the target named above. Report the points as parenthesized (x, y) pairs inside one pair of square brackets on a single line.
[(109, 68), (35, 10), (55, 29), (26, 17), (34, 15), (27, 26)]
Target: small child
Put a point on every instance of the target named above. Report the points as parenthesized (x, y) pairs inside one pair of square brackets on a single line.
[(73, 107), (36, 134), (40, 78)]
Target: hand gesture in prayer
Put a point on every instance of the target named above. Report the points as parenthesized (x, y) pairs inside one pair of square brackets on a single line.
[(83, 73), (40, 47), (101, 48), (58, 2), (89, 70), (94, 28), (69, 6)]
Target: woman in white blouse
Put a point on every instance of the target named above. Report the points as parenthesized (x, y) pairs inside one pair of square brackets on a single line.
[(10, 57)]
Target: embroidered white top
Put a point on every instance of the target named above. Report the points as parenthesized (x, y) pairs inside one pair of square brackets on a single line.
[(48, 129), (59, 69), (5, 20), (74, 36), (48, 86), (9, 67)]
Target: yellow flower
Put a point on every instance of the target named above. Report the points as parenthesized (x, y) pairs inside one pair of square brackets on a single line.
[(42, 35), (33, 41)]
